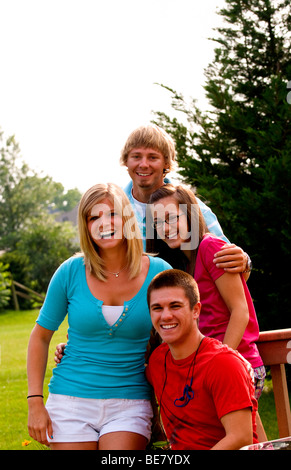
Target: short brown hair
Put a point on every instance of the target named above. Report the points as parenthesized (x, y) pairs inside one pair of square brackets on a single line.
[(151, 136), (175, 278)]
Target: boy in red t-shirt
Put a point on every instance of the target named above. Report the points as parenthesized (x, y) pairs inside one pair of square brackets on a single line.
[(204, 389)]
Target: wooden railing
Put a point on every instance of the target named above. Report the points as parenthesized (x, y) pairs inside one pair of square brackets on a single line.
[(275, 350), (27, 294)]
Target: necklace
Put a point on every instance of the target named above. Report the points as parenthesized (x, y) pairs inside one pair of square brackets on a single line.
[(188, 393), (118, 272)]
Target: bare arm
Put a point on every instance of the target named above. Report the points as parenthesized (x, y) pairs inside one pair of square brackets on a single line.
[(232, 259), (38, 419), (231, 290), (238, 430)]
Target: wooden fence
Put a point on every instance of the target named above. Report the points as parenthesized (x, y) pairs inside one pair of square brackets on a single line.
[(275, 350), (27, 294)]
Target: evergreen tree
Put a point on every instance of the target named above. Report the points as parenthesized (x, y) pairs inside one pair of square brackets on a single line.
[(238, 153)]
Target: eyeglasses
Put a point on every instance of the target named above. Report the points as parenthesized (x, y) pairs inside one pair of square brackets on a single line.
[(170, 220)]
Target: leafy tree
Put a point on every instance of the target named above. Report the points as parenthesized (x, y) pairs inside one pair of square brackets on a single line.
[(25, 195), (5, 283), (238, 152), (33, 242), (66, 200), (44, 245)]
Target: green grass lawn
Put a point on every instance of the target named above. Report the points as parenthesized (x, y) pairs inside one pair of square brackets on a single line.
[(15, 329)]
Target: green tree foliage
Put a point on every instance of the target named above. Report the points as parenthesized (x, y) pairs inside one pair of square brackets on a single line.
[(5, 283), (238, 153), (32, 241), (44, 245), (24, 195)]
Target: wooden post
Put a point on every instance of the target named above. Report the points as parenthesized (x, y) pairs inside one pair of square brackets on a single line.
[(31, 293), (281, 399), (14, 297), (274, 349)]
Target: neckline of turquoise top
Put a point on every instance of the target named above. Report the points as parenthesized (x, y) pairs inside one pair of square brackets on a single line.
[(126, 305)]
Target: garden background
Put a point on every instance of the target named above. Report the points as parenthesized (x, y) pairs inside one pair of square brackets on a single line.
[(236, 154)]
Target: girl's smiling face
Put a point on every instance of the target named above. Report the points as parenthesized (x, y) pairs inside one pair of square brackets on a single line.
[(170, 222), (105, 224)]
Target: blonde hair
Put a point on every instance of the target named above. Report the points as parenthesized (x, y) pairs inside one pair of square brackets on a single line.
[(151, 136), (132, 235)]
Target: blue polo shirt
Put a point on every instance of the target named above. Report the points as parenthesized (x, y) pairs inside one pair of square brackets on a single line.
[(100, 361)]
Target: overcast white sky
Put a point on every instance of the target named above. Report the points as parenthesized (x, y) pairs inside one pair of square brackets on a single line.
[(77, 76)]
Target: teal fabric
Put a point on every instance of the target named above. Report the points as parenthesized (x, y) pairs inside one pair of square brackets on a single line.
[(100, 361)]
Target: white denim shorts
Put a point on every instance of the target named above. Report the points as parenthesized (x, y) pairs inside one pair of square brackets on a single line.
[(87, 419)]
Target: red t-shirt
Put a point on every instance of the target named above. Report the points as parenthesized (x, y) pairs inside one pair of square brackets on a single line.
[(221, 384), (214, 315)]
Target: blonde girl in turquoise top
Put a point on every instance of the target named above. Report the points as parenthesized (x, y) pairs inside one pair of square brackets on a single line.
[(99, 397)]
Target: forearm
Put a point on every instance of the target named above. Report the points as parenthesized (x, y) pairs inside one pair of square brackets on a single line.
[(39, 423), (37, 356), (236, 327), (231, 442), (238, 430), (233, 260), (231, 290)]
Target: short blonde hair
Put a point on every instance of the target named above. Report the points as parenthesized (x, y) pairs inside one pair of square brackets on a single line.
[(151, 136), (132, 235)]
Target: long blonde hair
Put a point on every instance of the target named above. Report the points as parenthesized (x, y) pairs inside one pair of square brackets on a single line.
[(132, 235)]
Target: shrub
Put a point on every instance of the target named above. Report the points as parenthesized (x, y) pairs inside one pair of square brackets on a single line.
[(5, 283)]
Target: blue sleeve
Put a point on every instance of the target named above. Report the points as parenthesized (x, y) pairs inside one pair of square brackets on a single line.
[(54, 309), (211, 221), (160, 264), (166, 265), (127, 189)]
